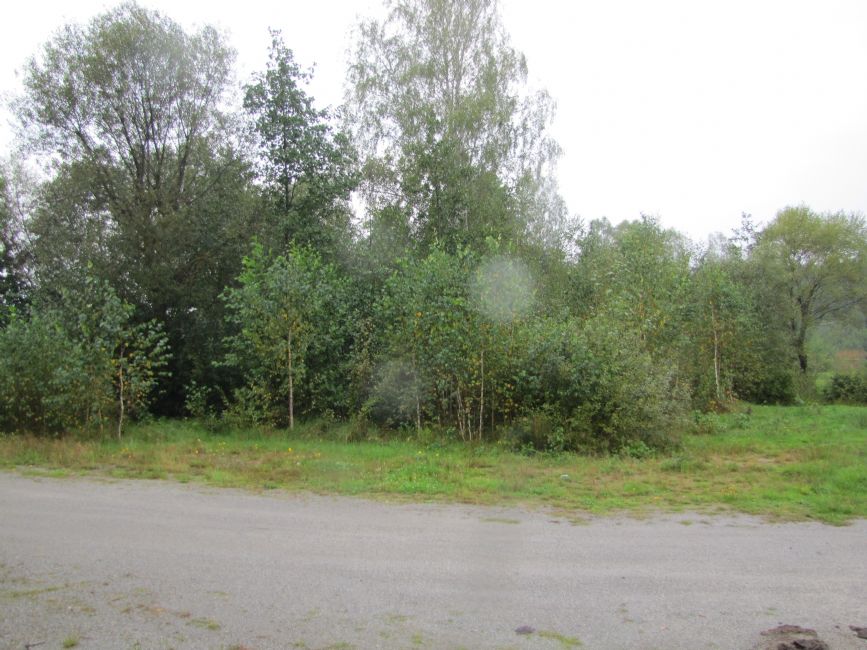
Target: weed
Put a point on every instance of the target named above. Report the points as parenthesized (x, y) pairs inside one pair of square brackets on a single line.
[(565, 641), (205, 623), (739, 421), (636, 449), (396, 618), (28, 593), (704, 423), (70, 641), (788, 462)]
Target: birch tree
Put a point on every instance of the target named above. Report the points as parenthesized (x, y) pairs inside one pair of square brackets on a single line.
[(278, 308), (448, 133)]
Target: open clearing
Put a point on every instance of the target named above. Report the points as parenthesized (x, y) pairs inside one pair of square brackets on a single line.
[(152, 564)]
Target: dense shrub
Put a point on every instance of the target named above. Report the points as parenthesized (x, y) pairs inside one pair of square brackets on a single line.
[(591, 386), (622, 394), (40, 388), (79, 363), (849, 388), (773, 386)]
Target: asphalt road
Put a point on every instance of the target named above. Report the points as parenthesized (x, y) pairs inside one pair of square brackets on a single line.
[(135, 564)]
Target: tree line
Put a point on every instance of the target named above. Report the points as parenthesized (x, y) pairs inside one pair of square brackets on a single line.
[(183, 255)]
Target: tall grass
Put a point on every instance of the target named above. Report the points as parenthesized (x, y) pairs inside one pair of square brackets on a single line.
[(791, 463)]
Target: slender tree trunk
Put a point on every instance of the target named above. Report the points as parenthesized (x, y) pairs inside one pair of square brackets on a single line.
[(120, 392), (716, 366), (461, 417), (507, 409), (417, 395), (285, 179), (800, 346), (291, 382), (716, 354), (492, 408), (482, 396), (800, 332)]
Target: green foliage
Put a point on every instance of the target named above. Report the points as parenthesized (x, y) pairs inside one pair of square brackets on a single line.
[(42, 384), (540, 430), (450, 140), (464, 346), (198, 402), (79, 363), (766, 385), (847, 388), (619, 394), (123, 360), (12, 256), (467, 305), (306, 167), (650, 272), (431, 337), (725, 350), (147, 186), (132, 95), (286, 312), (818, 263)]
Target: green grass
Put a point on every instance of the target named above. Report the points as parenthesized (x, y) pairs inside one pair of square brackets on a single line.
[(792, 463), (28, 593), (205, 623), (565, 641)]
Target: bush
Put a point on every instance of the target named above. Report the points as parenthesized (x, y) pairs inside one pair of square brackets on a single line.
[(624, 395), (774, 386), (79, 363), (539, 430), (703, 423), (848, 388), (591, 386), (42, 387)]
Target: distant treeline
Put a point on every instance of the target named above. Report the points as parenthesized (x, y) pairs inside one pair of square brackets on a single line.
[(182, 255)]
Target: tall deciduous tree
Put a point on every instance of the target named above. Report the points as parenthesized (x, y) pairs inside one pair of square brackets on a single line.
[(12, 279), (147, 185), (448, 133), (135, 97), (818, 263)]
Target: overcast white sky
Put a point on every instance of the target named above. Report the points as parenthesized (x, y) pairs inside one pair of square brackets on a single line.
[(689, 110)]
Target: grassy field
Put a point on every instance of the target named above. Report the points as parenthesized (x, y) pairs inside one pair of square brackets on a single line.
[(792, 463)]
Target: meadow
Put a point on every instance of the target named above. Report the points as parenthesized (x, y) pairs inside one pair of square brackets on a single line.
[(783, 463)]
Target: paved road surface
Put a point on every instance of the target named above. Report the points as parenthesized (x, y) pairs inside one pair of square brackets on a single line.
[(136, 564)]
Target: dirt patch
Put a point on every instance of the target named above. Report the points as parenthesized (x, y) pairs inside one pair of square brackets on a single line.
[(791, 637)]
